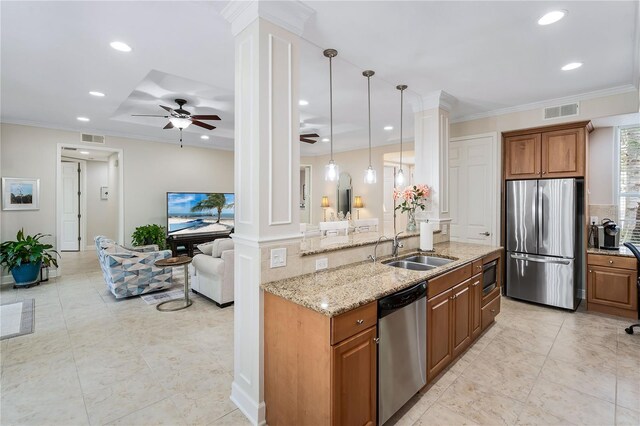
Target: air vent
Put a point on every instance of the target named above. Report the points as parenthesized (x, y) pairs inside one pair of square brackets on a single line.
[(68, 148), (85, 137), (566, 110)]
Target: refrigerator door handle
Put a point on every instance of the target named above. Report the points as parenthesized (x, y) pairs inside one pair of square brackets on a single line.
[(540, 215), (535, 259)]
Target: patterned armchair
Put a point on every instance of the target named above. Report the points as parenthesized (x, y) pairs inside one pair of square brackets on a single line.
[(129, 272)]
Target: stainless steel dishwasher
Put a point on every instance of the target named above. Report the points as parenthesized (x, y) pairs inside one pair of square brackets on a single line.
[(402, 346)]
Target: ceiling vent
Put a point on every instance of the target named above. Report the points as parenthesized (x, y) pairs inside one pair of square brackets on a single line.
[(87, 138), (567, 110)]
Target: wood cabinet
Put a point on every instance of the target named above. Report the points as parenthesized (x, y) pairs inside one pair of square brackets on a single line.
[(355, 380), (612, 289), (319, 370), (476, 305), (439, 326), (461, 312), (546, 152)]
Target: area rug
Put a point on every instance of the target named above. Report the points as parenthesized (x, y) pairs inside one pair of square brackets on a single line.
[(17, 318), (155, 298)]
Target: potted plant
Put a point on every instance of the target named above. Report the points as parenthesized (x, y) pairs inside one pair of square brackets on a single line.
[(24, 257), (150, 234)]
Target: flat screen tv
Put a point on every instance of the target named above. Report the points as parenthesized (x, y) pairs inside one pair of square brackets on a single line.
[(199, 212)]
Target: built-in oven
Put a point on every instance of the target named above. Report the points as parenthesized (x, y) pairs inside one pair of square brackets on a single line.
[(489, 277)]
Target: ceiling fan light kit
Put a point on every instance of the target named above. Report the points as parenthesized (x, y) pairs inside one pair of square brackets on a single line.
[(370, 173), (331, 170), (180, 118)]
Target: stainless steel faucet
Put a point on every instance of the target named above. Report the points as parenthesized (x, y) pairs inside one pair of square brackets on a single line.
[(374, 257), (396, 245)]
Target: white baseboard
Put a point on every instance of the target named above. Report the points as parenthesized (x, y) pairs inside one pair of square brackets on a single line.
[(8, 279), (255, 412)]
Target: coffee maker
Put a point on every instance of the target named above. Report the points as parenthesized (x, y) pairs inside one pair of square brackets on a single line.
[(608, 235)]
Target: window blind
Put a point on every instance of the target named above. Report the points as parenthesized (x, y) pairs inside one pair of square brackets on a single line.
[(629, 188)]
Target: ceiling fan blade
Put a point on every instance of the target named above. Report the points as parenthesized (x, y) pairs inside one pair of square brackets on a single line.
[(201, 124), (149, 115), (166, 108), (310, 135), (205, 117), (168, 126), (307, 140)]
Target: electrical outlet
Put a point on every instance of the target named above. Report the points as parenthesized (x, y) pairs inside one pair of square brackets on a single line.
[(278, 257), (594, 219), (322, 263)]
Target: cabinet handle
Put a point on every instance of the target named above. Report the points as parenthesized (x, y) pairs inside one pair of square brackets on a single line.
[(544, 173), (359, 321), (493, 311), (590, 271), (377, 340), (611, 262)]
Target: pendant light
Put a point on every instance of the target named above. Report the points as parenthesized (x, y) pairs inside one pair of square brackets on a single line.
[(400, 175), (331, 171), (369, 174)]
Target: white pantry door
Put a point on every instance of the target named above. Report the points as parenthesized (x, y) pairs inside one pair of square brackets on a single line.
[(473, 189), (70, 207)]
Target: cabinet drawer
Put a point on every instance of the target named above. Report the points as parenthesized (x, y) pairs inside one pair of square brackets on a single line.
[(612, 261), (490, 312), (353, 322), (476, 267), (448, 280)]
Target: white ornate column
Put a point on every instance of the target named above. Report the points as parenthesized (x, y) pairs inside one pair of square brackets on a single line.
[(432, 153), (267, 163)]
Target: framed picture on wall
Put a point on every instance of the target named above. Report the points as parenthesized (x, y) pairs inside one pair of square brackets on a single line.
[(20, 194)]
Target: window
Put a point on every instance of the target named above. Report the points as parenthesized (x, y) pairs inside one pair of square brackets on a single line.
[(629, 184)]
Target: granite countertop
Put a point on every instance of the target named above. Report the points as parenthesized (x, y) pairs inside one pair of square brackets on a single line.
[(316, 245), (334, 291), (623, 252)]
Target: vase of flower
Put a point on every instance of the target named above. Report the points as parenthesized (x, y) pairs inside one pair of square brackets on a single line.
[(411, 221), (412, 197)]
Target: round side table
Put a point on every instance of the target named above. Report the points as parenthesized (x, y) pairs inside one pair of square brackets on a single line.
[(177, 304)]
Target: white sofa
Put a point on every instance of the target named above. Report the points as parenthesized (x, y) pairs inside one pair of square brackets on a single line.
[(212, 271)]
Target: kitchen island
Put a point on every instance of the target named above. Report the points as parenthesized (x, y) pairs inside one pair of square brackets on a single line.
[(320, 335)]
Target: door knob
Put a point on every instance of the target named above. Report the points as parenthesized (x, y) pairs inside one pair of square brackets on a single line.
[(486, 234)]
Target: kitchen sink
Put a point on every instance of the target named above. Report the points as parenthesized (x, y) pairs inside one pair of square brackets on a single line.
[(429, 260), (414, 266)]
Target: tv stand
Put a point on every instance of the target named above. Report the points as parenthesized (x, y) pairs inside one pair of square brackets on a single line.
[(191, 240)]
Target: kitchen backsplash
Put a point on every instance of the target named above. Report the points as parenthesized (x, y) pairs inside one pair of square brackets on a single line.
[(609, 211)]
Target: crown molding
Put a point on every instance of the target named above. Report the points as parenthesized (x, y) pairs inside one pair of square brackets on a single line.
[(549, 102), (437, 99), (290, 15)]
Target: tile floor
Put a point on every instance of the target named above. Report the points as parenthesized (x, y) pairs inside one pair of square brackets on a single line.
[(95, 360)]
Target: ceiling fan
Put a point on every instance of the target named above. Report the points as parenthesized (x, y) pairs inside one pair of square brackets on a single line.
[(181, 118), (307, 137)]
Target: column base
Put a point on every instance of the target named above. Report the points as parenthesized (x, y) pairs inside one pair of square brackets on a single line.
[(255, 411)]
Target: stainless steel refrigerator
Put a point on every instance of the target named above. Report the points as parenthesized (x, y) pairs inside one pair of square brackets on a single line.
[(545, 241)]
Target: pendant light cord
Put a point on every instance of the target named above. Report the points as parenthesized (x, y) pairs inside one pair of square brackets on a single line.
[(331, 103), (369, 93), (401, 112)]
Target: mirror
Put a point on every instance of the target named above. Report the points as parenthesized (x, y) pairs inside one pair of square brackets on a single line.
[(344, 194), (305, 193)]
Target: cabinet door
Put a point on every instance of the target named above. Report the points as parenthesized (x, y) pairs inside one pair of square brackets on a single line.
[(563, 153), (439, 322), (522, 157), (612, 287), (476, 305), (354, 380), (462, 314)]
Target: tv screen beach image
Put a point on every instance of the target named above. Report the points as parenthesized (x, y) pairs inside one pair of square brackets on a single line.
[(199, 212)]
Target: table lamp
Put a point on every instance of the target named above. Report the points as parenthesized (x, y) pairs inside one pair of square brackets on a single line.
[(357, 204), (324, 205)]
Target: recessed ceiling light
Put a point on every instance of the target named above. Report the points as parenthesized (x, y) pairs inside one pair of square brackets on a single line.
[(551, 17), (388, 127), (98, 94), (120, 46), (82, 119), (572, 66), (205, 137), (325, 139), (84, 152), (302, 102)]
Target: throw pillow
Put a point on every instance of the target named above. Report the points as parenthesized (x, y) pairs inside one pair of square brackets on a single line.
[(206, 248), (220, 245)]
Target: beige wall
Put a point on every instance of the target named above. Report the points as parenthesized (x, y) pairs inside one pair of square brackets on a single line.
[(354, 163), (601, 162), (100, 218), (150, 170)]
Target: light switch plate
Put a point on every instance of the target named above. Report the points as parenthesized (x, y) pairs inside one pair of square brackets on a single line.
[(278, 257), (322, 263)]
